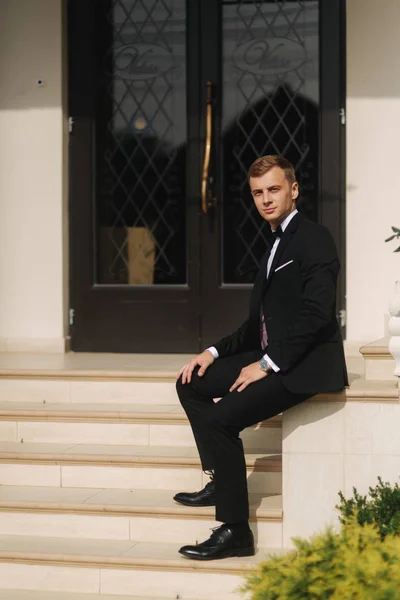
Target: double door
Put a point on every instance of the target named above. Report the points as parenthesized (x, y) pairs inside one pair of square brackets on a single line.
[(170, 103)]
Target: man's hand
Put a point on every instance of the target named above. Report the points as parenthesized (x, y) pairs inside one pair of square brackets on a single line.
[(204, 360), (248, 375)]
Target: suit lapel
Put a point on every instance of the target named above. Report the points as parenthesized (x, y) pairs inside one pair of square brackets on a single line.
[(283, 244), (255, 300)]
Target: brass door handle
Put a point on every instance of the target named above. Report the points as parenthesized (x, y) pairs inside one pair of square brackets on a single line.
[(207, 202)]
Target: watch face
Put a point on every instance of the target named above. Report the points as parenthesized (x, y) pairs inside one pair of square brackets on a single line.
[(264, 365)]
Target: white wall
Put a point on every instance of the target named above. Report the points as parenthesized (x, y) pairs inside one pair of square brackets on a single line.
[(373, 162), (32, 168)]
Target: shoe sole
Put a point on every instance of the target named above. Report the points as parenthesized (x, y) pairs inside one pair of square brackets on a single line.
[(229, 554), (212, 503)]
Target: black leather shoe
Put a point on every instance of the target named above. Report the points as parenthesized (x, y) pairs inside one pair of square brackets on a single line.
[(206, 496), (224, 542)]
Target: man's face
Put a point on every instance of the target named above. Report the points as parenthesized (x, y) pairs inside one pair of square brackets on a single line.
[(273, 196)]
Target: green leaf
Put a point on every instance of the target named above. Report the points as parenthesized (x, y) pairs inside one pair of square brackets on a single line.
[(391, 238), (395, 230), (398, 249)]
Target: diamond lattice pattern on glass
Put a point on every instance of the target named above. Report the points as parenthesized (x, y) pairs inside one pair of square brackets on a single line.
[(270, 75), (141, 144)]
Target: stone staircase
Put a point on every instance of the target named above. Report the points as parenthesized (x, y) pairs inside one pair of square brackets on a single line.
[(91, 453)]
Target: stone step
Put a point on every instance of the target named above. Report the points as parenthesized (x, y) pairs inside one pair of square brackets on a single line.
[(89, 378), (40, 595), (75, 390), (143, 515), (126, 467), (119, 567), (136, 424)]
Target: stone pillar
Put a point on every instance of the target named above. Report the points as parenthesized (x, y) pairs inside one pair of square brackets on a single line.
[(33, 177)]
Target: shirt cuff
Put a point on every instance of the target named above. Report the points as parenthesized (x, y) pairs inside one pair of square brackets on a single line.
[(213, 351), (271, 363)]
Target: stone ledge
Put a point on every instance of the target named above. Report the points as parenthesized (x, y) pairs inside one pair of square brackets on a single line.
[(362, 390), (379, 363), (377, 350)]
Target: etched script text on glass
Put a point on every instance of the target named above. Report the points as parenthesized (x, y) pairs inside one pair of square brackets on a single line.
[(270, 106), (141, 141)]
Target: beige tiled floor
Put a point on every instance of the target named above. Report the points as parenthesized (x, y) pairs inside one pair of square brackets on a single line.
[(38, 495), (37, 447), (61, 546)]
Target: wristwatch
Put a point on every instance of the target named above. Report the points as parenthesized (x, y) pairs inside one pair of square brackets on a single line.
[(264, 365)]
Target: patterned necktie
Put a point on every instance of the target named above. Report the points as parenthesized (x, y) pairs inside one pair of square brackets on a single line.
[(263, 330)]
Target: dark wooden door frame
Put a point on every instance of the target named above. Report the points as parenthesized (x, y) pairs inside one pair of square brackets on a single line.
[(199, 290), (175, 305), (332, 205)]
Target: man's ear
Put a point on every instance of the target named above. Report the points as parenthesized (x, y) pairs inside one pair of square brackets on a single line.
[(295, 190)]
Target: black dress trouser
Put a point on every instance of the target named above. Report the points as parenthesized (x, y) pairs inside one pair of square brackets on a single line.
[(216, 425)]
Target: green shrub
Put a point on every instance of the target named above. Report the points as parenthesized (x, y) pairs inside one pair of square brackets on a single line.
[(381, 509), (354, 564)]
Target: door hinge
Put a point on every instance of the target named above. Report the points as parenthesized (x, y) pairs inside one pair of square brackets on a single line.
[(342, 114), (70, 124), (71, 316), (342, 317)]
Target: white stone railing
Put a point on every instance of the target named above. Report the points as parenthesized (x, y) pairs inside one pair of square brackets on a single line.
[(394, 328)]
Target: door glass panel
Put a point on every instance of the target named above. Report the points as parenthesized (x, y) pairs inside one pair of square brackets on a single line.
[(270, 106), (140, 143)]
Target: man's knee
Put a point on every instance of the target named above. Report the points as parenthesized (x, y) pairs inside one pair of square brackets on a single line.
[(183, 389), (198, 387), (180, 388)]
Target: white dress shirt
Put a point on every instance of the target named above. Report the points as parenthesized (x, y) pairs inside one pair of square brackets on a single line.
[(284, 224)]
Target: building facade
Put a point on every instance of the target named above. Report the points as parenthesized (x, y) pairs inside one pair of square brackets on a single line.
[(104, 211)]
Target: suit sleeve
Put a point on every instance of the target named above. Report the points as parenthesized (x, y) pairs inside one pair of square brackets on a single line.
[(319, 267), (234, 343)]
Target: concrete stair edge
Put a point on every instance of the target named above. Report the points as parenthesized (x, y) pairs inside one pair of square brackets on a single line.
[(79, 557), (74, 414), (270, 462), (10, 594), (142, 509)]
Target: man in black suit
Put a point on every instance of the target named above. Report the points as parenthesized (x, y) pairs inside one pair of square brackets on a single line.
[(289, 349)]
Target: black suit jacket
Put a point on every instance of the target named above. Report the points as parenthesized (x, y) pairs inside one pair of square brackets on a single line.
[(299, 305)]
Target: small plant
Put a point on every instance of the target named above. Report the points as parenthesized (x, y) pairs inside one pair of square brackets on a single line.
[(353, 564), (381, 508), (392, 237)]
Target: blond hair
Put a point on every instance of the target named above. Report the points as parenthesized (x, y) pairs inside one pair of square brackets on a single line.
[(265, 163)]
